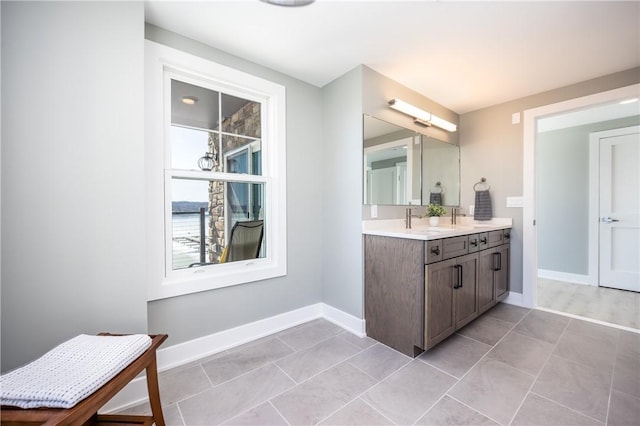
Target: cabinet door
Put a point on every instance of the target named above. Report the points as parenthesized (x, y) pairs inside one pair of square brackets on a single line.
[(486, 288), (501, 275), (466, 301), (439, 301)]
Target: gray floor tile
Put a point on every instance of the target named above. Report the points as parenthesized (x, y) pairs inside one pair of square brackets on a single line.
[(308, 362), (180, 383), (234, 397), (629, 343), (486, 330), (406, 395), (539, 411), (170, 413), (542, 325), (456, 355), (522, 352), (450, 412), (507, 313), (379, 361), (357, 413), (319, 397), (359, 342), (576, 386), (624, 410), (263, 414), (602, 333), (586, 350), (494, 389), (244, 359), (626, 374), (309, 334)]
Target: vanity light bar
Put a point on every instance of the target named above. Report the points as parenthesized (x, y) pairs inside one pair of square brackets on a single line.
[(422, 117)]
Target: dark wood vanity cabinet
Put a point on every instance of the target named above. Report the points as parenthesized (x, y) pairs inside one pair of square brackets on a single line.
[(394, 292), (417, 293), (493, 276), (450, 297)]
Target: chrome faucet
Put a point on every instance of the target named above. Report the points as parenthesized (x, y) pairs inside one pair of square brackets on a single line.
[(407, 218), (454, 215)]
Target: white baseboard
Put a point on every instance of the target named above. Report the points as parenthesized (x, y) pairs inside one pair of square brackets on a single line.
[(173, 356), (514, 299), (563, 276)]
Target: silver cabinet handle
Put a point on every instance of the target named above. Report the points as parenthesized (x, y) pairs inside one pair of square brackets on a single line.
[(608, 219)]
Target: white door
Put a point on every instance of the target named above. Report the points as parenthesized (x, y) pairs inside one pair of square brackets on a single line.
[(383, 186), (619, 226)]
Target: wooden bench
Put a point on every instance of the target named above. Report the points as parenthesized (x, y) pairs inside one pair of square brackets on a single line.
[(86, 411)]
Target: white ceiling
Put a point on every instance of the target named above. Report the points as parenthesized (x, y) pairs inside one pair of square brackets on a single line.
[(463, 55)]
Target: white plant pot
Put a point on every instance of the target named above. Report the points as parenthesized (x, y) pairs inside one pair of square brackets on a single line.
[(434, 220)]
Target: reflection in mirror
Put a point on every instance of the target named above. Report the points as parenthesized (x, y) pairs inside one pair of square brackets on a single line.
[(440, 172), (402, 167), (391, 164)]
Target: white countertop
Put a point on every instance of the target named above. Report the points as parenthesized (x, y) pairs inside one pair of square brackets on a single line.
[(420, 229)]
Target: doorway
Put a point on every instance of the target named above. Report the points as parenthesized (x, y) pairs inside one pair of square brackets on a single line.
[(574, 256)]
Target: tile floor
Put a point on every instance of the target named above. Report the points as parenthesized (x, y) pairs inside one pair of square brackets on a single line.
[(605, 304), (512, 366)]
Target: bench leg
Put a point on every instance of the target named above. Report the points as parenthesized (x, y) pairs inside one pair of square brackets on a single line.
[(154, 392)]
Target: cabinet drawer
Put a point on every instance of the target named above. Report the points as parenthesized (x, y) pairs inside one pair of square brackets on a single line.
[(432, 251), (496, 238), (474, 243), (483, 241), (455, 246), (507, 235)]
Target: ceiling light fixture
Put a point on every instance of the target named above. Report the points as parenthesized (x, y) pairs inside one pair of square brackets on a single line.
[(289, 3), (422, 117), (189, 100)]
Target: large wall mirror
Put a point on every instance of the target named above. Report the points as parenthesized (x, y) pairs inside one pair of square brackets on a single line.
[(403, 167)]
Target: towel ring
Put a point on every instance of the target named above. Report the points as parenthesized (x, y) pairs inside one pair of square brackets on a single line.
[(438, 186), (482, 181)]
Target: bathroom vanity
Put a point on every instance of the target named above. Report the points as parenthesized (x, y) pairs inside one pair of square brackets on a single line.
[(424, 283)]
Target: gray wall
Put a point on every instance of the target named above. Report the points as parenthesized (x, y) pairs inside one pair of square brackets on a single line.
[(73, 253), (492, 147), (200, 314), (342, 275), (562, 162)]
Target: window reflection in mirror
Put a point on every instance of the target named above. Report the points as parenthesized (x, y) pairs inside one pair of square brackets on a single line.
[(402, 167)]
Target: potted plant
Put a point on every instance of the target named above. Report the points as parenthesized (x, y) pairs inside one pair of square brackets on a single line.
[(434, 211)]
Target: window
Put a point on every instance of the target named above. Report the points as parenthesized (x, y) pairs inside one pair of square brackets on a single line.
[(216, 150)]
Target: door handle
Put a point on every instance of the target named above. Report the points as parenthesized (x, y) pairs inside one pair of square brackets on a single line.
[(608, 219), (459, 269)]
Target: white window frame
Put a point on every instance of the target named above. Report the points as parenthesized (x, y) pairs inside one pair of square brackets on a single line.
[(161, 64)]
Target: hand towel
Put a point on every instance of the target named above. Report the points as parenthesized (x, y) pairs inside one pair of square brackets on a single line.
[(483, 206), (435, 198), (71, 371)]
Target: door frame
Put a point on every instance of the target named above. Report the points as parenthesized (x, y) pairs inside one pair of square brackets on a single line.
[(529, 193)]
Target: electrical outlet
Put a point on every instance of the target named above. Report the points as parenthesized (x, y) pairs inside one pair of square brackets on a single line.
[(472, 210), (374, 211)]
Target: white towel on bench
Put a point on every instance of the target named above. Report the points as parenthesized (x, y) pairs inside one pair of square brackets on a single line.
[(70, 372)]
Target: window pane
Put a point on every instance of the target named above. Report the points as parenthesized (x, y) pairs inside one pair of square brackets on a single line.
[(189, 145), (241, 116), (194, 106), (242, 155), (208, 216)]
